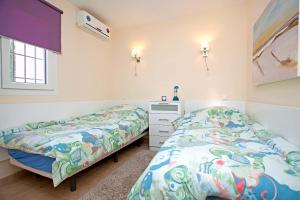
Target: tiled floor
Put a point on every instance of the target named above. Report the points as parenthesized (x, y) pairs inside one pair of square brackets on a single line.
[(27, 186)]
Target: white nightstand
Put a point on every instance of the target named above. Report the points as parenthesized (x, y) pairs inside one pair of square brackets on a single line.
[(161, 116)]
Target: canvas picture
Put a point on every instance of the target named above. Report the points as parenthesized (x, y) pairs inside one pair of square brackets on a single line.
[(275, 42)]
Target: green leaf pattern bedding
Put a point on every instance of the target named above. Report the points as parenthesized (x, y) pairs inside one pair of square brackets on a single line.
[(220, 152), (78, 142)]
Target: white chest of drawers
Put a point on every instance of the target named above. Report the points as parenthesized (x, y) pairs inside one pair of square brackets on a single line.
[(161, 116)]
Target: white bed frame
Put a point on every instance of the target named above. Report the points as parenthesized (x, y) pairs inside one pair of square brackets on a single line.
[(196, 105), (73, 176)]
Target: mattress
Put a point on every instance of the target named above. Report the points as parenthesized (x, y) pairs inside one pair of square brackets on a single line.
[(35, 161)]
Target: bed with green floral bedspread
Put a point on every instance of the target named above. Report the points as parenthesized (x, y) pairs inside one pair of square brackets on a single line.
[(219, 152), (78, 142)]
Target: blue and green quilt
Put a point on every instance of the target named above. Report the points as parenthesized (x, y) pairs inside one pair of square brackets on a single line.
[(220, 152), (80, 141)]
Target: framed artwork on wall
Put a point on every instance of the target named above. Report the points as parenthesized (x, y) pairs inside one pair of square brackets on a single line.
[(276, 43)]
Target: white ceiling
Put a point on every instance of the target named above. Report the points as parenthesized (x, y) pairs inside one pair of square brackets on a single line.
[(127, 13)]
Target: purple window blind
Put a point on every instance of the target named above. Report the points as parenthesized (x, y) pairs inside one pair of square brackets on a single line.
[(36, 22)]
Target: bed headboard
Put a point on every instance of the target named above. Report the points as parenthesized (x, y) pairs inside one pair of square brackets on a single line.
[(281, 120), (196, 105)]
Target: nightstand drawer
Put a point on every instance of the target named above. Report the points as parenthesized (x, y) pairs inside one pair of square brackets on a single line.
[(161, 130), (157, 141), (163, 119), (165, 107)]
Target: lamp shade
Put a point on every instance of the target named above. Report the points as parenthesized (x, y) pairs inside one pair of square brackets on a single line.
[(205, 45), (135, 53)]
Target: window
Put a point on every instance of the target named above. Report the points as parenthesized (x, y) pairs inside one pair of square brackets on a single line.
[(26, 67), (28, 63)]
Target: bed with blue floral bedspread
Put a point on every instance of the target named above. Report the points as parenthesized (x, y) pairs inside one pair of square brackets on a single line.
[(79, 142), (220, 152)]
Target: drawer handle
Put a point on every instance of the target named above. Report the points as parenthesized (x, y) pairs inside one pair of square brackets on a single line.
[(162, 131), (166, 120), (161, 142)]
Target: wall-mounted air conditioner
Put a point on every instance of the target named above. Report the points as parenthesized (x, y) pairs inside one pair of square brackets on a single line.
[(90, 23)]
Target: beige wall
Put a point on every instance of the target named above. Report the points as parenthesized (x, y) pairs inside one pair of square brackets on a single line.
[(281, 93), (171, 55), (95, 69), (83, 67)]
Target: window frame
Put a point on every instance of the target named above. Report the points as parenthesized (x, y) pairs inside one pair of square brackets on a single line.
[(8, 87)]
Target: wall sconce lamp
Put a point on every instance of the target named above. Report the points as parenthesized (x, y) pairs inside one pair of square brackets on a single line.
[(205, 50), (136, 54)]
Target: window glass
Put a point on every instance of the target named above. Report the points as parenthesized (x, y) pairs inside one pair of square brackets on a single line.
[(40, 53), (40, 70), (29, 63), (18, 47), (30, 69), (19, 69), (30, 50)]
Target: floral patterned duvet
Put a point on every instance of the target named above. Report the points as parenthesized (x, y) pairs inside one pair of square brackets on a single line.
[(78, 142), (219, 152)]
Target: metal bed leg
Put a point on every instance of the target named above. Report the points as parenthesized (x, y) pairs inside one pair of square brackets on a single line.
[(116, 157), (73, 183), (37, 176), (138, 142)]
